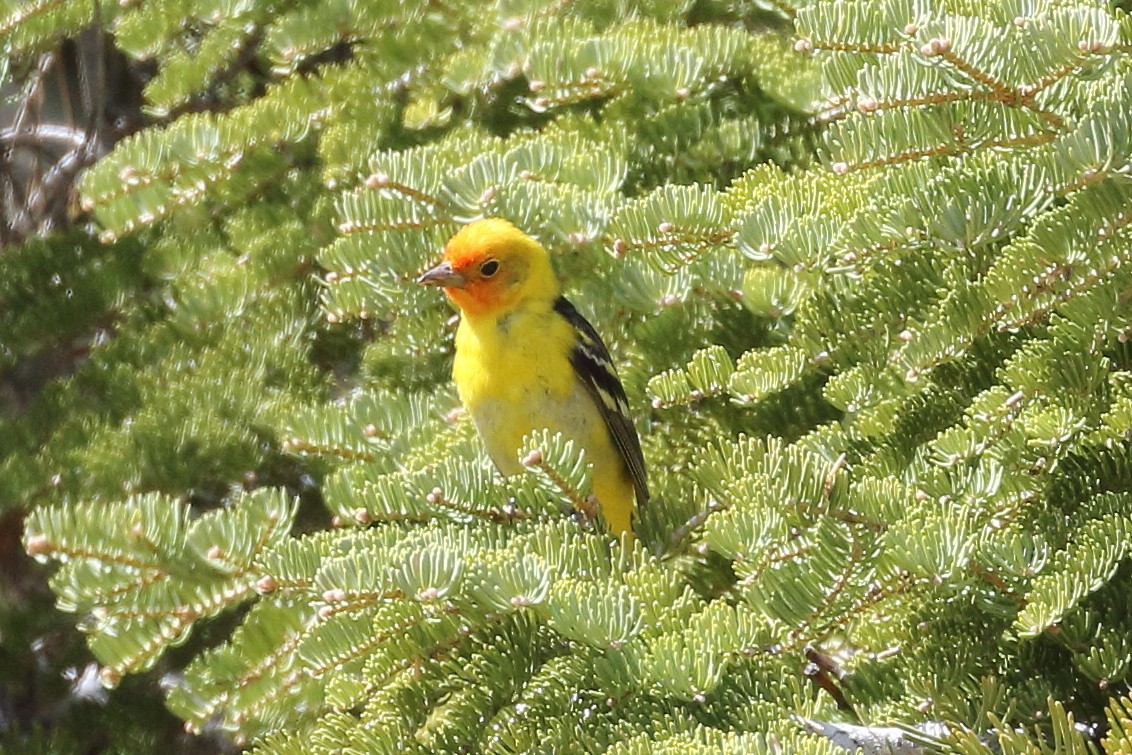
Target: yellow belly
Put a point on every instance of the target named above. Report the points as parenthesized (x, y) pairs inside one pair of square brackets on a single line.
[(523, 382)]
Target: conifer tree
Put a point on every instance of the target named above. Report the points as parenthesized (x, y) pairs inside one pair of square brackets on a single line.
[(863, 265)]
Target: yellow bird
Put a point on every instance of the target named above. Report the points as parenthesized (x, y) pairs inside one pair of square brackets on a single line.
[(526, 360)]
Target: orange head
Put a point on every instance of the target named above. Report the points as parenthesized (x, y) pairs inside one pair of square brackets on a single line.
[(490, 266)]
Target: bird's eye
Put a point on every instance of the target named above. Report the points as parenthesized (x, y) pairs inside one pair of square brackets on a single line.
[(489, 268)]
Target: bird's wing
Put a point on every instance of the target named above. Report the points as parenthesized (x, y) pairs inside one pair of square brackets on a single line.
[(594, 367)]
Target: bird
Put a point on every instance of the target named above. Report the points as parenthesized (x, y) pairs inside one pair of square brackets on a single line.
[(526, 360)]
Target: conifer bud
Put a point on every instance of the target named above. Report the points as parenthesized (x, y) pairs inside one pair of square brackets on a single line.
[(533, 459), (803, 44), (361, 516), (37, 545), (936, 46), (840, 168), (377, 180), (266, 585), (867, 105)]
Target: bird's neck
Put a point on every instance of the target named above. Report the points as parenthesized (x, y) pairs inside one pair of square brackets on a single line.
[(497, 319)]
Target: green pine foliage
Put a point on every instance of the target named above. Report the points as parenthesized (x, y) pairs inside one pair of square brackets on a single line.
[(864, 267)]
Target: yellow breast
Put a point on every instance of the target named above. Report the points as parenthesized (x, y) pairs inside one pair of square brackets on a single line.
[(514, 376)]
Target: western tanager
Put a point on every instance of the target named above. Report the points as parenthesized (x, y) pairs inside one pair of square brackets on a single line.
[(526, 360)]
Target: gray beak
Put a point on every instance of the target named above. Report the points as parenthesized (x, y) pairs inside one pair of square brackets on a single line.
[(442, 275)]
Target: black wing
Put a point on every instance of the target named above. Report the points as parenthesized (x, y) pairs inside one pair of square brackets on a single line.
[(594, 367)]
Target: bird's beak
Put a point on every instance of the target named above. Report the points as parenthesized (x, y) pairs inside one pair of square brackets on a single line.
[(443, 275)]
